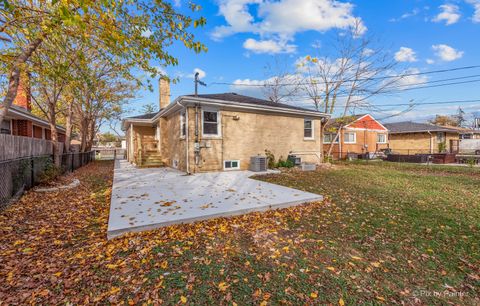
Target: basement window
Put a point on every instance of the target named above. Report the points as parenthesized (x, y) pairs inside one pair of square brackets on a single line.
[(231, 165), (308, 129), (210, 123)]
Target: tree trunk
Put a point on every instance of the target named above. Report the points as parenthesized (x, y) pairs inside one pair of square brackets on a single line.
[(54, 132), (68, 127), (14, 76)]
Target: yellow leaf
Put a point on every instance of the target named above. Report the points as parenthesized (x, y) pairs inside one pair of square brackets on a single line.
[(58, 274), (376, 264), (341, 302), (356, 257), (114, 290), (223, 286), (313, 295), (331, 269), (164, 264), (381, 298), (183, 299), (18, 242), (111, 266), (264, 303)]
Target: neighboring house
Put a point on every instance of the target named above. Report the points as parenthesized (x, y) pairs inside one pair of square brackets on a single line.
[(214, 132), (21, 122), (466, 133), (421, 138), (360, 134)]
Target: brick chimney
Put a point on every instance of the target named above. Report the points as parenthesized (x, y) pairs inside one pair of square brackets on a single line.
[(164, 89), (23, 98)]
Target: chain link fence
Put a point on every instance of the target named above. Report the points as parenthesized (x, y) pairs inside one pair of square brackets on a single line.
[(18, 175)]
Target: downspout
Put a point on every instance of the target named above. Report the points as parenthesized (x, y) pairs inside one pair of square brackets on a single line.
[(431, 142), (187, 140)]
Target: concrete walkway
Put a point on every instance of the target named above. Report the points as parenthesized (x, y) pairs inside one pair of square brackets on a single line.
[(148, 198)]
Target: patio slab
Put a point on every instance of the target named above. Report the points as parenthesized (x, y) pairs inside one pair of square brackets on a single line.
[(148, 198)]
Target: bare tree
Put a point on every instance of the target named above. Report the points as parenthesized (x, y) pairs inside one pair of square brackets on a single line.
[(284, 85), (357, 71)]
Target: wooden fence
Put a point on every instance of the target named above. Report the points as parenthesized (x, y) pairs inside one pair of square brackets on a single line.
[(12, 147)]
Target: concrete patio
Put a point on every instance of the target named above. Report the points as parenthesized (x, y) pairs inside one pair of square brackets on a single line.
[(148, 198)]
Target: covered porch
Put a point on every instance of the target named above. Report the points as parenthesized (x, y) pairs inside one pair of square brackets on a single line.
[(143, 144)]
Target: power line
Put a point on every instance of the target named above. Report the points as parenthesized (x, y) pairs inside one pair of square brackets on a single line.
[(361, 79)]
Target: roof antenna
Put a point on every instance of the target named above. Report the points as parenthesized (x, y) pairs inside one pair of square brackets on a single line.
[(197, 81)]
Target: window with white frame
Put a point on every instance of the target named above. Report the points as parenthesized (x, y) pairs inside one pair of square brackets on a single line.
[(183, 124), (210, 123), (349, 137), (381, 138), (329, 137), (231, 165), (441, 137), (308, 129)]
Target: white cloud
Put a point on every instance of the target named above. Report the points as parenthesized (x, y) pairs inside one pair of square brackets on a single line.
[(268, 46), (177, 3), (447, 53), (147, 33), (281, 20), (476, 7), (405, 55), (413, 13), (430, 61), (412, 78), (450, 14), (201, 73)]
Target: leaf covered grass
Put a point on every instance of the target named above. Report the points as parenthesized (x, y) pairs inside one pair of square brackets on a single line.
[(385, 234)]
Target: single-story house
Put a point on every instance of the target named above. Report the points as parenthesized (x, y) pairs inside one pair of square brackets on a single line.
[(216, 132), (21, 122), (466, 133), (420, 138), (360, 134)]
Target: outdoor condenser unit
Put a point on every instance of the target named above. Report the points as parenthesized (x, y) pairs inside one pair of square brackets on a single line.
[(258, 163)]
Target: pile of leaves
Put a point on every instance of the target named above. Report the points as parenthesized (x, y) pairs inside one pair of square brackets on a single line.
[(361, 245)]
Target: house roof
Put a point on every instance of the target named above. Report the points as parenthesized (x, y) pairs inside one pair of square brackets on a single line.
[(463, 130), (415, 127), (19, 112), (362, 121), (143, 116), (234, 97)]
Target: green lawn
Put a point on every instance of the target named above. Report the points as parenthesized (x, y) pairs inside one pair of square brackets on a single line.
[(386, 234)]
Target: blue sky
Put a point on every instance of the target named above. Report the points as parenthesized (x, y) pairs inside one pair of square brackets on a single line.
[(243, 36)]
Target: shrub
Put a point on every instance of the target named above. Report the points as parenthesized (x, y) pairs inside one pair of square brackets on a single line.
[(270, 159), (284, 163)]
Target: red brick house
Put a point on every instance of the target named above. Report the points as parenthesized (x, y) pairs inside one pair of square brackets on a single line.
[(21, 122), (360, 134)]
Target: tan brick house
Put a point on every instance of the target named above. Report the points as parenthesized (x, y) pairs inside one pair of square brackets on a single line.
[(420, 138), (215, 132), (360, 134)]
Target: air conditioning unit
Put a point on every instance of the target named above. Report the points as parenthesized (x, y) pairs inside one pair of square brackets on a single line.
[(258, 163)]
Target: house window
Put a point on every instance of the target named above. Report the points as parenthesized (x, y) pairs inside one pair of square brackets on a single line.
[(231, 165), (183, 124), (210, 123), (381, 138), (349, 137), (440, 137), (5, 128), (308, 129), (329, 137)]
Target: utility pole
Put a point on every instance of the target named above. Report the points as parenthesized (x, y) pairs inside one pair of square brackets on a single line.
[(197, 81)]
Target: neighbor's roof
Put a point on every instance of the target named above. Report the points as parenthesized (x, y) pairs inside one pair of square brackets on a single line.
[(415, 127), (337, 122), (234, 97), (463, 130), (16, 111)]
